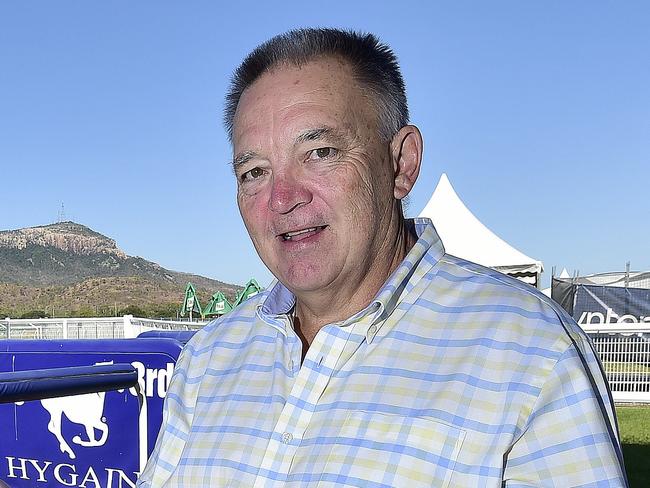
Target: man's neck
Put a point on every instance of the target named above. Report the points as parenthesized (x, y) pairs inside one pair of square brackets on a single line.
[(312, 312)]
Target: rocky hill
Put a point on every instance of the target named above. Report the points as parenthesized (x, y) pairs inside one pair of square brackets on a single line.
[(71, 268)]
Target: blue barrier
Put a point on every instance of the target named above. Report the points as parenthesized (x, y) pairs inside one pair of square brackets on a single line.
[(180, 335), (99, 439), (21, 386)]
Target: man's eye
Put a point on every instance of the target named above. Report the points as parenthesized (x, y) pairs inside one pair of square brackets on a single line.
[(252, 174), (322, 153)]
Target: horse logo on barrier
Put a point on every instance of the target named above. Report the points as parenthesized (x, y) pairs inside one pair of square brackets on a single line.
[(87, 410)]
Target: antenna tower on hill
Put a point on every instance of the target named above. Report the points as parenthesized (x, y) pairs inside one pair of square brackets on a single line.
[(61, 217)]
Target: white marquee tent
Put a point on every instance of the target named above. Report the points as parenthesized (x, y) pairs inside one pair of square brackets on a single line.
[(464, 236)]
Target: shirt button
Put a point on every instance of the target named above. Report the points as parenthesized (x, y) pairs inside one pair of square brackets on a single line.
[(372, 330), (287, 437)]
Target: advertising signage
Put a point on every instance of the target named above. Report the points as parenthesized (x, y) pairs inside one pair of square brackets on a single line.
[(598, 304), (92, 440)]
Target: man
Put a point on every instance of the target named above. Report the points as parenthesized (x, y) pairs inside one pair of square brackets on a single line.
[(375, 360)]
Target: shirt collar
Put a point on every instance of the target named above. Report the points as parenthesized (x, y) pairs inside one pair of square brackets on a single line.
[(280, 301), (403, 278)]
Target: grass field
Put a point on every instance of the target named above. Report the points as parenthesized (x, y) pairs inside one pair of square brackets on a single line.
[(634, 426)]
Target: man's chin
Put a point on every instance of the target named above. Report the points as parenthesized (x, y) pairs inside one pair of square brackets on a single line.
[(302, 280)]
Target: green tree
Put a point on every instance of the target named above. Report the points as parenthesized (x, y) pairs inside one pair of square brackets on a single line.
[(34, 314), (164, 310), (133, 310), (85, 312)]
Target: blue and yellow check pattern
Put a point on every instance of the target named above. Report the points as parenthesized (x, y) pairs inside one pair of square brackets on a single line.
[(454, 376)]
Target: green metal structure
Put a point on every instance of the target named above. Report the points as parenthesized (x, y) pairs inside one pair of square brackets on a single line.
[(191, 303), (218, 305), (251, 288)]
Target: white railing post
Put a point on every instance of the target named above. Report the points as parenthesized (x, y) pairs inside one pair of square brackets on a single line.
[(626, 358), (129, 331), (126, 326)]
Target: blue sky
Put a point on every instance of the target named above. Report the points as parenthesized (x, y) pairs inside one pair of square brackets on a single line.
[(539, 112)]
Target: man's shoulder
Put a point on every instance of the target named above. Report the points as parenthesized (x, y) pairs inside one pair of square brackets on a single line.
[(468, 272), (229, 329), (216, 347), (475, 289)]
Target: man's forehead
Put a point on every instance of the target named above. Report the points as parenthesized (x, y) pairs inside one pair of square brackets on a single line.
[(333, 64), (325, 76), (302, 100)]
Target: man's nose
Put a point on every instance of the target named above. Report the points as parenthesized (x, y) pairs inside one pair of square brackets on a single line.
[(288, 192)]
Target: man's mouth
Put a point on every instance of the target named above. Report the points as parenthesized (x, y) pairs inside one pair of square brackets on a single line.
[(301, 234)]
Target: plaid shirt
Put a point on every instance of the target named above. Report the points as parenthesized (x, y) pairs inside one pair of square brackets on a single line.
[(455, 375)]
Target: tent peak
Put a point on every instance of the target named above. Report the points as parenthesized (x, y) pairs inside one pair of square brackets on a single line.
[(465, 236)]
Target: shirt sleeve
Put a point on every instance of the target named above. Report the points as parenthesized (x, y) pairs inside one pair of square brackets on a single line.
[(178, 409), (570, 438)]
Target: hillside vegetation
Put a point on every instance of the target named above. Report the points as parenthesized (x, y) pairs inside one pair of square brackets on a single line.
[(67, 269)]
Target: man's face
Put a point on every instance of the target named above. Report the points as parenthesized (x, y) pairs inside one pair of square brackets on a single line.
[(315, 181)]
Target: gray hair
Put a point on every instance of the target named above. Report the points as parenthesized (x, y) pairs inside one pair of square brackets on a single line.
[(373, 63)]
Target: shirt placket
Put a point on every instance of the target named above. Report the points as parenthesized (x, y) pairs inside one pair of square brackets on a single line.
[(312, 379)]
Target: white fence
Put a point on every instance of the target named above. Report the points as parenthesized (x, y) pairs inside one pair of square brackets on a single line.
[(624, 349), (87, 328)]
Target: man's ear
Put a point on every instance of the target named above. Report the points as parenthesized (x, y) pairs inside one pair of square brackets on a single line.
[(406, 153)]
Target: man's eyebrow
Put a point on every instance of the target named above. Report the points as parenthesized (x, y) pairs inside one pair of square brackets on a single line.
[(243, 158), (317, 134), (305, 136)]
